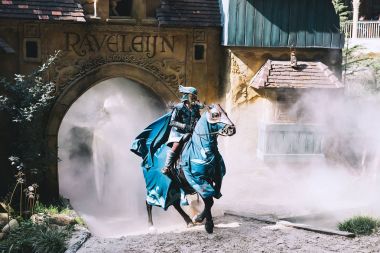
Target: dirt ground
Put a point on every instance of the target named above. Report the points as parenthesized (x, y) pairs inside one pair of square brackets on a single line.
[(233, 234)]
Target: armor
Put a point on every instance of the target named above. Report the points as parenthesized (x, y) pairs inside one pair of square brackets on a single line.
[(184, 117), (183, 121)]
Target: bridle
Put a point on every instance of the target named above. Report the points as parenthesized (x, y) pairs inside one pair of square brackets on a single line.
[(222, 132)]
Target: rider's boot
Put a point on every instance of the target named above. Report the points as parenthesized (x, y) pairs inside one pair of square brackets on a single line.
[(169, 163)]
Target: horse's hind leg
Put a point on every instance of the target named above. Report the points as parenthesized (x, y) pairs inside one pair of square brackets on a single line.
[(149, 210), (184, 215)]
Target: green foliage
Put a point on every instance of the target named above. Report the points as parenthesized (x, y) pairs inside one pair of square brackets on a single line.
[(36, 238), (342, 10), (28, 94), (51, 240), (358, 65), (51, 209), (27, 100), (359, 225), (80, 221)]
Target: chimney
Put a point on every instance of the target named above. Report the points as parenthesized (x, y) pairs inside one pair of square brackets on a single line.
[(293, 58)]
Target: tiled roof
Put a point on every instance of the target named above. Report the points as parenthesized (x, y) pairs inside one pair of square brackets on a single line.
[(5, 47), (41, 10), (280, 74), (201, 13)]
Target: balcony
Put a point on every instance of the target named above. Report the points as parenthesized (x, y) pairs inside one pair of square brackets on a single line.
[(366, 29), (290, 142)]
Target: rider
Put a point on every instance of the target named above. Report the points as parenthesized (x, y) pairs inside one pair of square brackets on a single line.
[(183, 120)]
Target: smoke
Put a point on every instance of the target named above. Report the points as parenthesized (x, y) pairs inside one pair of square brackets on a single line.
[(343, 183), (97, 172), (104, 183)]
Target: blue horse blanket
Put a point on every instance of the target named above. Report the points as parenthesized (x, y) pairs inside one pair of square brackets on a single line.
[(201, 162)]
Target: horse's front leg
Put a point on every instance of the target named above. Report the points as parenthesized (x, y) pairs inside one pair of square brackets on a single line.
[(209, 225), (149, 210), (184, 215)]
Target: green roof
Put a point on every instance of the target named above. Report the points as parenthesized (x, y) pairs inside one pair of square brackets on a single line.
[(281, 23)]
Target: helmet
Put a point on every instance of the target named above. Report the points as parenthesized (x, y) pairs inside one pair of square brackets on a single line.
[(188, 90)]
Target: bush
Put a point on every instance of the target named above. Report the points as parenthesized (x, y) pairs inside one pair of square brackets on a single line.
[(35, 238), (359, 225), (51, 240), (51, 209)]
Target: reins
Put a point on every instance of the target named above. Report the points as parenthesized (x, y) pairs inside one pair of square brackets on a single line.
[(212, 133)]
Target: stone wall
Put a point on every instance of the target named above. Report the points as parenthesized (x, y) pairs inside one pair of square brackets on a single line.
[(157, 57)]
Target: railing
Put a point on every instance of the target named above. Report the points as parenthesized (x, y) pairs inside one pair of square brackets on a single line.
[(366, 29), (290, 141)]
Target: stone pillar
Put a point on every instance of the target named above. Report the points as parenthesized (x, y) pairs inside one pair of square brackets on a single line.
[(355, 5)]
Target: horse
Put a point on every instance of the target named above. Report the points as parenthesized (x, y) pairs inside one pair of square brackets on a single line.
[(200, 168)]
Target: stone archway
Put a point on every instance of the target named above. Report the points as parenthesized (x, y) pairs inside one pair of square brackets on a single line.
[(79, 86)]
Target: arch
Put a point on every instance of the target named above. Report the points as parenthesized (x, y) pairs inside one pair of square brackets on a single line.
[(78, 87)]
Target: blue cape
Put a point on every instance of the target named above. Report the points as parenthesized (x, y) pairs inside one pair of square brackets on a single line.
[(201, 162), (150, 145)]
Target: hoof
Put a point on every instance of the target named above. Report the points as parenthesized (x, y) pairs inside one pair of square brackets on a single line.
[(190, 225), (152, 229), (198, 218), (209, 226)]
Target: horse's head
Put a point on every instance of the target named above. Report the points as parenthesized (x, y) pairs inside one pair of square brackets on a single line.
[(218, 118)]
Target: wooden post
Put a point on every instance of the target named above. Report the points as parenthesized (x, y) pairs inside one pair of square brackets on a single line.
[(355, 4)]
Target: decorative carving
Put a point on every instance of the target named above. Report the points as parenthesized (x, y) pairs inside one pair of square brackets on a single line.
[(235, 69), (240, 92), (169, 71)]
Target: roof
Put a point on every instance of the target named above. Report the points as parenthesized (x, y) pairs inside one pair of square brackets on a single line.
[(67, 10), (198, 13), (4, 46), (282, 23), (280, 74)]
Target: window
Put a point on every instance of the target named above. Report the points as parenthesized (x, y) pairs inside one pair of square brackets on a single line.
[(290, 134), (199, 52), (151, 7), (120, 8), (32, 49)]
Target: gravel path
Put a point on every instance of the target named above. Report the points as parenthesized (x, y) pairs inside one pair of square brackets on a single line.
[(234, 234)]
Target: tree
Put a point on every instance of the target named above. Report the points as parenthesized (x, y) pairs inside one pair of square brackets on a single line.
[(27, 100), (342, 10)]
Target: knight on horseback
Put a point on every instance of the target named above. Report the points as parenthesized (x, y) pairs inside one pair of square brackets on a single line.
[(183, 119)]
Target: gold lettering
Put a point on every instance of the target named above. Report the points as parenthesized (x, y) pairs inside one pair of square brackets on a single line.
[(72, 44), (152, 53), (123, 43), (164, 41), (112, 43), (137, 44), (86, 45), (98, 46)]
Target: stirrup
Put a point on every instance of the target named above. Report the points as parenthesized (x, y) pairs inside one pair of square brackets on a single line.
[(165, 170)]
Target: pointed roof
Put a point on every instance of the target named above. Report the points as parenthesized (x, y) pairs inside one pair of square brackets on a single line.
[(67, 10), (308, 74)]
